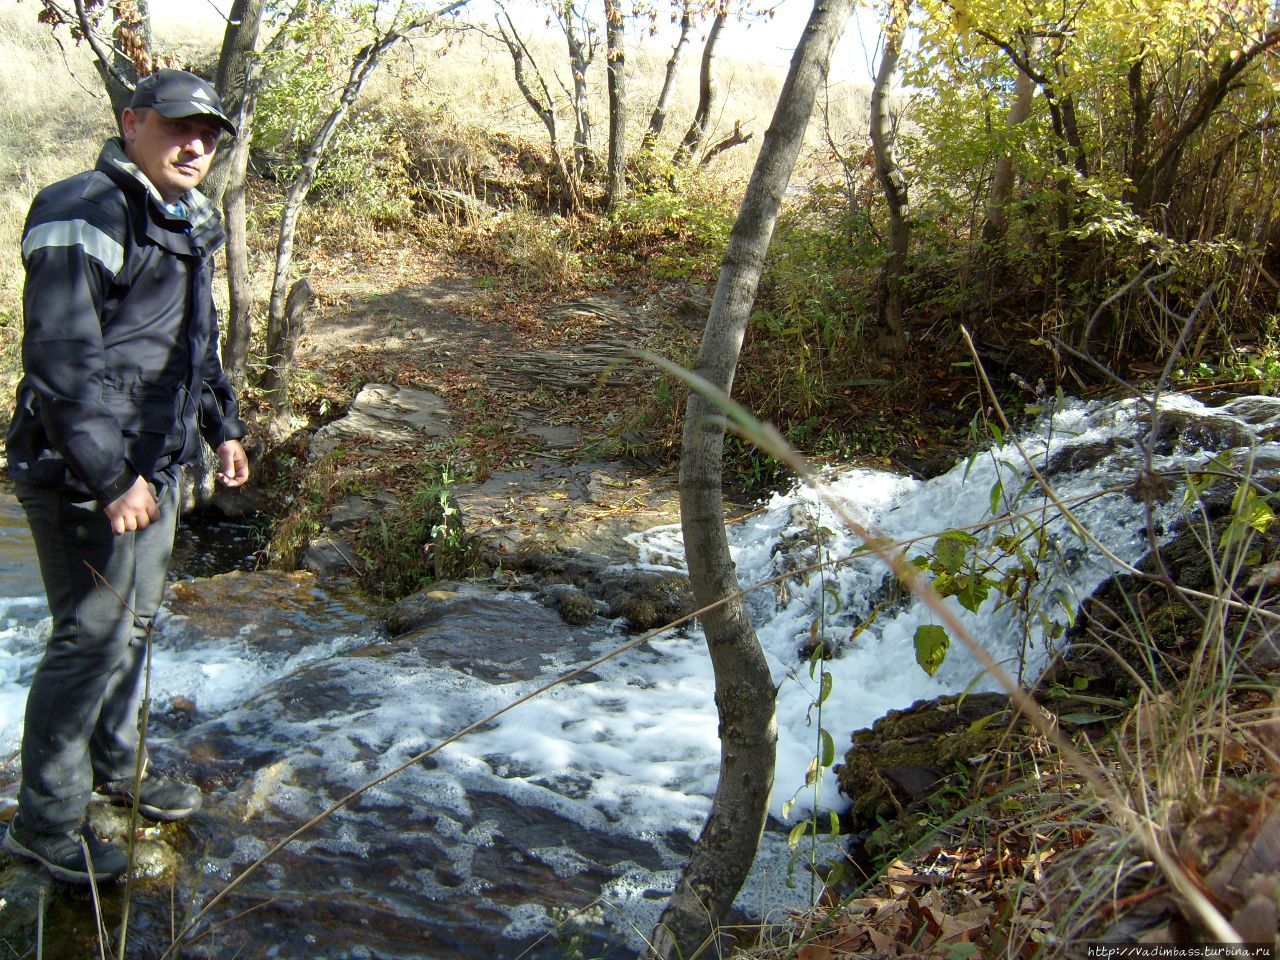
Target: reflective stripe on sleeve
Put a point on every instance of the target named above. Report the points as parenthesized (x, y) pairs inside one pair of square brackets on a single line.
[(75, 233)]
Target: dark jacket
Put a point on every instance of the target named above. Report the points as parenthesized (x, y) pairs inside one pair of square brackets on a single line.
[(120, 335)]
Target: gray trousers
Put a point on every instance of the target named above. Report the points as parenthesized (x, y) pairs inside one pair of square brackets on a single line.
[(82, 710)]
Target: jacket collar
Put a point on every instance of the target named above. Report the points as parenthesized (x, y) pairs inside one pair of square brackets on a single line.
[(201, 219)]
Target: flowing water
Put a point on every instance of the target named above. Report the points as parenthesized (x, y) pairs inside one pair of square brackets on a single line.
[(574, 811)]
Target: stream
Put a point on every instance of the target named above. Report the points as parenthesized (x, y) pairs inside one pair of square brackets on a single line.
[(563, 823)]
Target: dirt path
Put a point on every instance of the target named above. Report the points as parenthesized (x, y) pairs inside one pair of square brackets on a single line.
[(541, 397)]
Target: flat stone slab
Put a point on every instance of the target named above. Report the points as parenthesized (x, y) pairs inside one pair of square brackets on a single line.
[(384, 415)]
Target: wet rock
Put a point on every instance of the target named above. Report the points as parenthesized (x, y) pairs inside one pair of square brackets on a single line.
[(27, 889), (646, 598), (1136, 617), (478, 635), (575, 583), (330, 556), (274, 613), (422, 608), (904, 755), (357, 509), (385, 415), (573, 604)]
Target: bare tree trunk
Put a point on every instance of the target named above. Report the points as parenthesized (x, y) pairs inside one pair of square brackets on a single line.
[(129, 53), (744, 689), (543, 106), (996, 223), (581, 52), (275, 378), (282, 331), (238, 43), (282, 344), (616, 60), (697, 131), (235, 348), (1158, 180), (892, 180), (658, 119)]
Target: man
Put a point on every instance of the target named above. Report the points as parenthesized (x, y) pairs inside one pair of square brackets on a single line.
[(121, 379)]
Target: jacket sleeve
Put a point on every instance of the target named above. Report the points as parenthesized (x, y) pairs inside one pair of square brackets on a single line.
[(72, 258), (219, 412)]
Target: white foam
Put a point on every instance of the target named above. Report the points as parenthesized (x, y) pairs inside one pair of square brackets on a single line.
[(635, 749)]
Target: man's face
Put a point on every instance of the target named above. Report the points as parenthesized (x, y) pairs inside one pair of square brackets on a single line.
[(174, 154)]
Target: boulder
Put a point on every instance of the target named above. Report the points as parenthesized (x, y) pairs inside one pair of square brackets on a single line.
[(384, 415)]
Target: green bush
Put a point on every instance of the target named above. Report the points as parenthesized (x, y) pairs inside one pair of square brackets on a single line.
[(673, 226)]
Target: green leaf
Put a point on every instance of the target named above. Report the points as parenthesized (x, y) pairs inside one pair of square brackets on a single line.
[(946, 585), (828, 752), (997, 491), (931, 643), (972, 592), (825, 691), (797, 834), (953, 548), (1081, 717), (1197, 483)]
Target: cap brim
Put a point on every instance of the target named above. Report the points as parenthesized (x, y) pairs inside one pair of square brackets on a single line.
[(177, 109)]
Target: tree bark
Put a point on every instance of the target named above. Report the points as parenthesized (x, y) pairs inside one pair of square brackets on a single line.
[(1002, 179), (543, 106), (615, 54), (235, 347), (1156, 183), (281, 332), (128, 56), (275, 378), (697, 132), (744, 688), (581, 53), (238, 43), (892, 180), (282, 344), (658, 119)]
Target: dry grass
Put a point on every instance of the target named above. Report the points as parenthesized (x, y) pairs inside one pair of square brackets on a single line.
[(53, 119), (53, 115)]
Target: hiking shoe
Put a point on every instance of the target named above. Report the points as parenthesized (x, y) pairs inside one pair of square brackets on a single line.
[(64, 854), (159, 797)]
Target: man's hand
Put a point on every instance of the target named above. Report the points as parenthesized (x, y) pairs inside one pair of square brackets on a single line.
[(235, 464), (135, 509)]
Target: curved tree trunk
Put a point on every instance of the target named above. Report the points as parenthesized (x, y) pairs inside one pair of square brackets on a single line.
[(235, 348), (744, 688), (129, 55), (996, 223), (238, 43), (616, 62), (1158, 180), (892, 180), (581, 53), (697, 132), (543, 105), (281, 329), (658, 119)]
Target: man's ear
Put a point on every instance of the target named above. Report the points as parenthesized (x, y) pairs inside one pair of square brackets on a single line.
[(128, 123)]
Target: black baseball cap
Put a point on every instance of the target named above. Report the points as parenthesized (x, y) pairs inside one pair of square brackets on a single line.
[(176, 93)]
